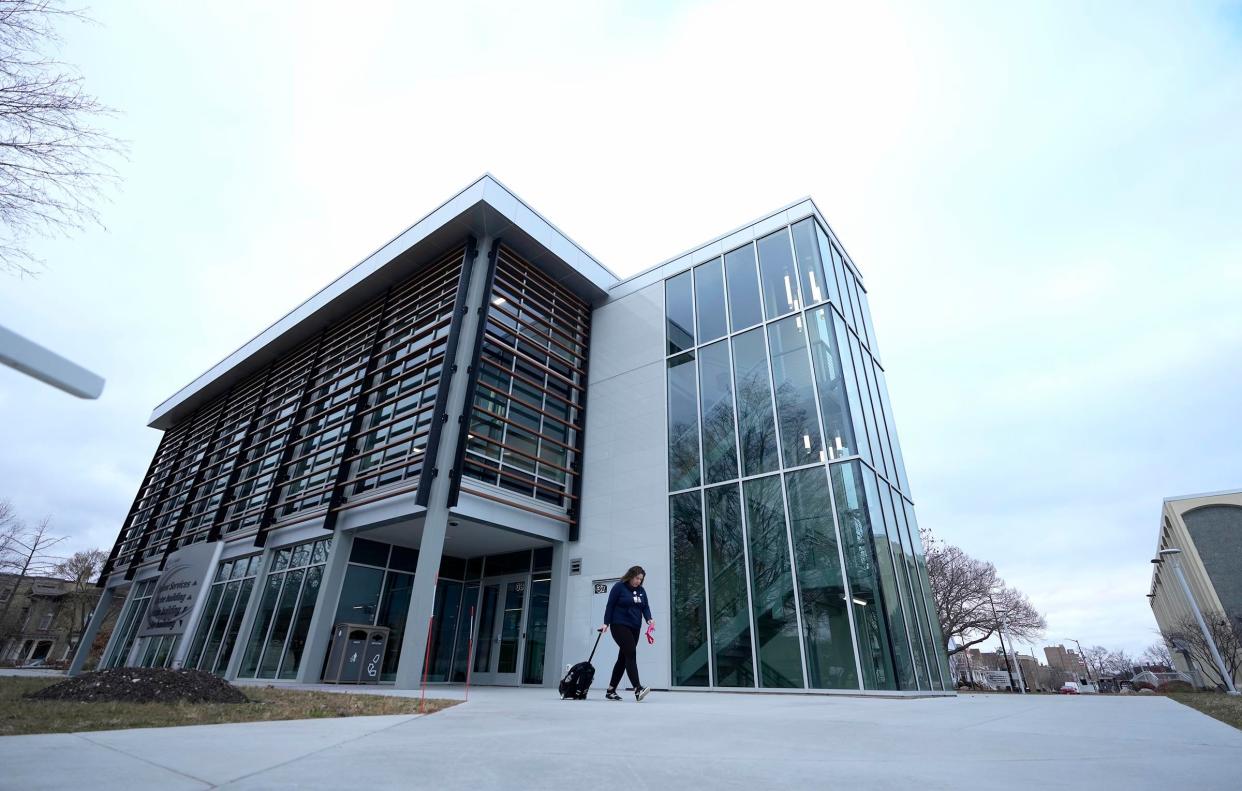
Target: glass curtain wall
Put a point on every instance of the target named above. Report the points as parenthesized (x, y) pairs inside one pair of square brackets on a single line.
[(378, 583), (274, 648), (213, 643), (135, 610), (795, 560)]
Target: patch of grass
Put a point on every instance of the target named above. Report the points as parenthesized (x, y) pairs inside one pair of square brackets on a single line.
[(1226, 708), (20, 715)]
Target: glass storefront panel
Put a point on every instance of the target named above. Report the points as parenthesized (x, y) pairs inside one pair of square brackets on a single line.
[(234, 626), (447, 614), (745, 305), (920, 632), (830, 381), (884, 505), (360, 595), (771, 584), (937, 636), (857, 419), (679, 312), (683, 424), (689, 632), (825, 621), (394, 606), (537, 630), (295, 644), (874, 650), (716, 400), (709, 301), (278, 638), (778, 275), (464, 644), (890, 585), (816, 287), (756, 426), (795, 395), (731, 647)]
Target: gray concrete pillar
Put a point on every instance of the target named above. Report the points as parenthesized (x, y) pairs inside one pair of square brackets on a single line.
[(435, 523), (92, 630), (319, 633)]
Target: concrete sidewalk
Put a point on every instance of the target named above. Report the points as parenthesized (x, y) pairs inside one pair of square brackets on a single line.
[(526, 738)]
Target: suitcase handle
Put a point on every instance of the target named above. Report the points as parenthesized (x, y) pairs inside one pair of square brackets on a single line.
[(597, 639)]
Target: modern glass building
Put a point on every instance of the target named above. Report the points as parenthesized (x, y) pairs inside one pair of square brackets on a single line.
[(466, 438)]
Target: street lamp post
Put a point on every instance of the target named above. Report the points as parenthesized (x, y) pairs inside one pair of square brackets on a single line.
[(1172, 554)]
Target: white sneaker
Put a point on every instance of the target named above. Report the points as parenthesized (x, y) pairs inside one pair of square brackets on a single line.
[(641, 693)]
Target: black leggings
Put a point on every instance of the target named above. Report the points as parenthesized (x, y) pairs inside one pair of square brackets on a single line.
[(627, 657)]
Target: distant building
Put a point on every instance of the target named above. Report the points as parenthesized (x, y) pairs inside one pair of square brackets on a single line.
[(41, 618), (1207, 528), (1067, 660)]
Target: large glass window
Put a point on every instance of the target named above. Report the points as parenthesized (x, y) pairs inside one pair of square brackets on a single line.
[(278, 637), (731, 648), (710, 300), (745, 306), (716, 400), (798, 588), (135, 611), (756, 429), (690, 648), (939, 645), (830, 382), (537, 629), (777, 272), (683, 424), (679, 312), (795, 394), (212, 647), (815, 286), (890, 582), (825, 621), (868, 602), (771, 582)]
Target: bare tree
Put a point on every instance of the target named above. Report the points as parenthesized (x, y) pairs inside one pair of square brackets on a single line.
[(1226, 636), (53, 163), (1158, 654), (973, 601), (28, 554), (81, 569)]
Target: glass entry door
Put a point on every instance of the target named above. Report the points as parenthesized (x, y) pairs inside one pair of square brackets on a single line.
[(502, 630)]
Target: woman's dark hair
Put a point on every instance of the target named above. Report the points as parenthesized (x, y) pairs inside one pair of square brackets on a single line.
[(633, 572)]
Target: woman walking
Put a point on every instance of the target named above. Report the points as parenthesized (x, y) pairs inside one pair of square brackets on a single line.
[(624, 614)]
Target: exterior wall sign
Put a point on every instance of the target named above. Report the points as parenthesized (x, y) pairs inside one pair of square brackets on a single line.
[(183, 581)]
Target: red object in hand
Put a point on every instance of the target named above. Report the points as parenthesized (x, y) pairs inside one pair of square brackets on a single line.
[(650, 636)]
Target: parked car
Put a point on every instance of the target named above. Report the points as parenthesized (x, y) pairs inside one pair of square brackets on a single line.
[(1069, 688)]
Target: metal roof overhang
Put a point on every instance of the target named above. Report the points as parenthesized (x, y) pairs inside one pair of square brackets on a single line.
[(485, 208)]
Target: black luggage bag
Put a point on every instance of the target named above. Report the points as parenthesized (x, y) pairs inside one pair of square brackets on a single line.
[(577, 681)]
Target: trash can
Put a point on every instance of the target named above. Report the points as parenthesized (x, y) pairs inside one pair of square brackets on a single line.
[(357, 654)]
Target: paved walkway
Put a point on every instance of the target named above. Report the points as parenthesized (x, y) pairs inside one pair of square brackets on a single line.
[(526, 738)]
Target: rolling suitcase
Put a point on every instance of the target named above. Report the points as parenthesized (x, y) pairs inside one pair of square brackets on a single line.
[(577, 680)]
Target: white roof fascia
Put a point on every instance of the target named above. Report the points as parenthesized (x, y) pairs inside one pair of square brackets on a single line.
[(486, 189)]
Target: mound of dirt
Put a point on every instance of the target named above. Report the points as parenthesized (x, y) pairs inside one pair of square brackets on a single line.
[(144, 685)]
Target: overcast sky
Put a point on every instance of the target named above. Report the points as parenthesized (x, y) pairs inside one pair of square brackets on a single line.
[(1044, 202)]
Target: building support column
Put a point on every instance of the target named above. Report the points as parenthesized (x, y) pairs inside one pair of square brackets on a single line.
[(319, 634), (90, 632), (435, 522)]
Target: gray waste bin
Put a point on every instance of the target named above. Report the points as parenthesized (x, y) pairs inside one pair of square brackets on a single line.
[(357, 654)]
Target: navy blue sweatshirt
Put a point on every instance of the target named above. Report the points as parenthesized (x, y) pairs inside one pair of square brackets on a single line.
[(627, 606)]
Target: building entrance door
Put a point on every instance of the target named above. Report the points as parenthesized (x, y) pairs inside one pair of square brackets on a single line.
[(502, 630)]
